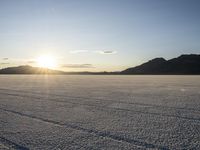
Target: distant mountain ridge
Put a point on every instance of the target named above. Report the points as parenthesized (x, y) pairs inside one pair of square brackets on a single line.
[(29, 70), (184, 64), (37, 70)]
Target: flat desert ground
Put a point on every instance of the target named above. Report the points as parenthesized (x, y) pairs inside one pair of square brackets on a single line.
[(99, 112)]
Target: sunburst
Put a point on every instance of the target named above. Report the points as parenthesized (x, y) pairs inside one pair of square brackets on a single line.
[(46, 61)]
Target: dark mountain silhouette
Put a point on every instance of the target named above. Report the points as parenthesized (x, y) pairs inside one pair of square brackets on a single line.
[(184, 64), (28, 70), (36, 70)]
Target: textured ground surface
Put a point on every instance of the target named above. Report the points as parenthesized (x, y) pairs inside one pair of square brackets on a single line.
[(99, 112)]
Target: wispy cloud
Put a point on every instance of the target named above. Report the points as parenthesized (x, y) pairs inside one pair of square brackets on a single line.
[(97, 51), (78, 51), (106, 52), (4, 63), (77, 66), (31, 62)]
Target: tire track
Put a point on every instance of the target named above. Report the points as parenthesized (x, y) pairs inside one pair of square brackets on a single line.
[(12, 145), (105, 107), (100, 100), (103, 134)]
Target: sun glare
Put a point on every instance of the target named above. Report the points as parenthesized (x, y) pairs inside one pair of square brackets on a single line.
[(46, 62)]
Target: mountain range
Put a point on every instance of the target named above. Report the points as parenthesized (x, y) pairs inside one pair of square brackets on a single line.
[(182, 65)]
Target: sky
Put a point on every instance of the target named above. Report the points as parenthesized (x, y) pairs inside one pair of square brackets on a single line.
[(97, 35)]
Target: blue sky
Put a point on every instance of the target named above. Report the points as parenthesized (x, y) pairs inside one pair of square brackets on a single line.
[(97, 35)]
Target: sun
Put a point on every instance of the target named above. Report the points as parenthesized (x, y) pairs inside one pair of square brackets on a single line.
[(46, 61)]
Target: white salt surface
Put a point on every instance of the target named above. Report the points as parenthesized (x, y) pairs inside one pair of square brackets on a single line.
[(99, 112)]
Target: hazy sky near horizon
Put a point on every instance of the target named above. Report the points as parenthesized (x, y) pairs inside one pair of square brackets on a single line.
[(97, 35)]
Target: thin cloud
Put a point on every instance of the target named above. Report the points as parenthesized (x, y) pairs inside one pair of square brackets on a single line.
[(5, 58), (97, 51), (31, 62), (78, 51), (4, 63), (106, 52), (77, 66)]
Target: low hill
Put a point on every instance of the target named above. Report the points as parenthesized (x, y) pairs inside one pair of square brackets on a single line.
[(28, 70), (184, 64), (36, 70)]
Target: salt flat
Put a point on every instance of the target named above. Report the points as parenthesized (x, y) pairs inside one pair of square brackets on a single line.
[(99, 112)]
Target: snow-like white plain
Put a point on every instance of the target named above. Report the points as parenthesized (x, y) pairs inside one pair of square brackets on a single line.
[(99, 112)]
